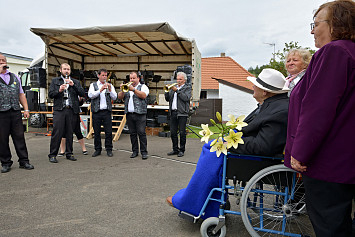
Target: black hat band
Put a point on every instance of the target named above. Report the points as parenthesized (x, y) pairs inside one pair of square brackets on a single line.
[(264, 84)]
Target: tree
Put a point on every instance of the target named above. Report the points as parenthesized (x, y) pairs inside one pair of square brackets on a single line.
[(278, 59)]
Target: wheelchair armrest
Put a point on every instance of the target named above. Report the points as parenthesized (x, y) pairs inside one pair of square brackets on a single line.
[(243, 167), (255, 157)]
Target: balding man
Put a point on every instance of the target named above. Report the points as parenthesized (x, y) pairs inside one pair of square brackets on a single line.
[(11, 93), (179, 105)]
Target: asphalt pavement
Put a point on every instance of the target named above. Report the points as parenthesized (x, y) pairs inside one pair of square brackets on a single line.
[(100, 196)]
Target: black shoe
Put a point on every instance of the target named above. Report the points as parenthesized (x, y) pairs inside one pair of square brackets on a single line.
[(53, 159), (181, 154), (96, 153), (172, 153), (5, 169), (109, 153), (71, 157), (85, 153), (133, 155), (61, 154), (144, 156), (26, 166)]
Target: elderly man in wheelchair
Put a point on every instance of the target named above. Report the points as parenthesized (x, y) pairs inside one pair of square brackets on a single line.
[(269, 194)]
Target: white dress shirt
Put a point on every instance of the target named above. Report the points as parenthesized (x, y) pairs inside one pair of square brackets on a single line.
[(144, 88), (174, 104), (93, 94)]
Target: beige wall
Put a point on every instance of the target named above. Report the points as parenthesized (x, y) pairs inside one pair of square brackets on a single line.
[(16, 65)]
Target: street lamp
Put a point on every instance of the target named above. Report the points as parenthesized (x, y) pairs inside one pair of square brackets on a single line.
[(272, 44)]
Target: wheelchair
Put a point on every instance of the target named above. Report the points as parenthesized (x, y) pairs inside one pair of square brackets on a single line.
[(270, 197)]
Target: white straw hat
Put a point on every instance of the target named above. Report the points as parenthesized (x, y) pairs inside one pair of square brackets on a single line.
[(270, 80)]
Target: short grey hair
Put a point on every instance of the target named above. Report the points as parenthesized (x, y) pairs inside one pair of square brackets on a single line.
[(181, 74), (303, 53)]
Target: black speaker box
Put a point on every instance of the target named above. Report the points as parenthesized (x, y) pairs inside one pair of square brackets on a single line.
[(32, 100), (38, 77)]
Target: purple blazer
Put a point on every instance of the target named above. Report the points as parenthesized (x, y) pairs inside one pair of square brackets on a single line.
[(321, 118)]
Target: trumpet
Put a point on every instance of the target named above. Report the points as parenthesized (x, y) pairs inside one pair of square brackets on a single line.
[(168, 87), (125, 87)]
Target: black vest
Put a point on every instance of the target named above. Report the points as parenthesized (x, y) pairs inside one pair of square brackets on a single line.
[(140, 105), (95, 103), (9, 94)]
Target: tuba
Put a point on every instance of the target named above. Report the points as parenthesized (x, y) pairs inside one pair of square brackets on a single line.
[(125, 87), (168, 87)]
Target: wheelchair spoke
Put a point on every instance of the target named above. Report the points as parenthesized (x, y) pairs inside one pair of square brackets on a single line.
[(273, 204)]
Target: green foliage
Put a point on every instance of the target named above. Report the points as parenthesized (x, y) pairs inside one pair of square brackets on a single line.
[(278, 59)]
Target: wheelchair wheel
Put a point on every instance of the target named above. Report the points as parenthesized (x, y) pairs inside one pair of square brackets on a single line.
[(208, 225), (273, 204)]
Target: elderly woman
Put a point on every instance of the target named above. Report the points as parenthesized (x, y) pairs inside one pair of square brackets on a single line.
[(321, 121), (296, 63), (265, 135)]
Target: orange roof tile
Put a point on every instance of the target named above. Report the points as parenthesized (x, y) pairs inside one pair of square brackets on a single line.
[(223, 68)]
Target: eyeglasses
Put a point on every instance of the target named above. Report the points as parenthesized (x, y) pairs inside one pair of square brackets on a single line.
[(313, 24)]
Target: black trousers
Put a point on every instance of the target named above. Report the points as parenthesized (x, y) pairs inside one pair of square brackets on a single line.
[(136, 124), (103, 117), (11, 124), (76, 127), (178, 123), (63, 123), (329, 207)]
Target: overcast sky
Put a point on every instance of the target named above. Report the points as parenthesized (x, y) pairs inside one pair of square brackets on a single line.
[(238, 28)]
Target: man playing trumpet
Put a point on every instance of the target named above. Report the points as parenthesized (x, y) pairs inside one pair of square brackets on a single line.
[(179, 105), (136, 110), (101, 94)]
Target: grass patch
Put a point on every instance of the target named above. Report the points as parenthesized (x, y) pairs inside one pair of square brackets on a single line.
[(196, 129)]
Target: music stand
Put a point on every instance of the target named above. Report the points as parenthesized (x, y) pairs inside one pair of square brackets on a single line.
[(156, 79)]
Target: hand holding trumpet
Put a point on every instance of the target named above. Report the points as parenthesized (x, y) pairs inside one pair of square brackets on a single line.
[(170, 87), (127, 87)]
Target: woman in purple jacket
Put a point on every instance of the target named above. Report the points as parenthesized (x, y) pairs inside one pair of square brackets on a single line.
[(321, 121)]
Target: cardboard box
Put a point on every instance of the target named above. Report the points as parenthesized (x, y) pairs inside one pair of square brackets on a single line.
[(151, 131), (161, 100)]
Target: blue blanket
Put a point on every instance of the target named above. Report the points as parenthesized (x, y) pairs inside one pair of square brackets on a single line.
[(208, 175)]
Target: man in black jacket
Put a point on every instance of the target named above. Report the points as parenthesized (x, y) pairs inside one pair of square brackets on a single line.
[(265, 134), (179, 105), (65, 91)]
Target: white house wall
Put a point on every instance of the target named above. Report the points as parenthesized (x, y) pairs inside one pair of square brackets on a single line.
[(17, 65), (235, 101)]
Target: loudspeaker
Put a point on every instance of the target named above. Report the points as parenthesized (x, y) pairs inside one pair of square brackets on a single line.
[(187, 69), (38, 77), (32, 100)]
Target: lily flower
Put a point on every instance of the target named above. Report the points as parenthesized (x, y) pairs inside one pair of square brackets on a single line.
[(219, 147), (205, 133), (233, 139), (236, 123)]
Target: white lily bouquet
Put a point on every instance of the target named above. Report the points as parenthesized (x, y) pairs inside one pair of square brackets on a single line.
[(227, 138)]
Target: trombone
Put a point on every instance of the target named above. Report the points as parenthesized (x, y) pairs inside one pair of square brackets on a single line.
[(125, 87), (168, 87)]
